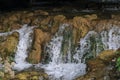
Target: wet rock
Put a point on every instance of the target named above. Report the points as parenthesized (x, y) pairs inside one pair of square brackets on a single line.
[(31, 75), (107, 55), (103, 25), (41, 12), (8, 46), (115, 17), (96, 70), (13, 18), (100, 67), (46, 23), (40, 38), (15, 26), (81, 28), (59, 19), (82, 25), (91, 17), (52, 23), (1, 28)]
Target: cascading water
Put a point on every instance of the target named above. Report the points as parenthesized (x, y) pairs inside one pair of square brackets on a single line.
[(93, 43), (63, 63), (89, 47), (24, 43), (111, 38), (57, 69)]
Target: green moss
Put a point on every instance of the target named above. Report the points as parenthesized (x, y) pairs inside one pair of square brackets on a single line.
[(118, 63), (1, 78), (66, 43), (118, 60)]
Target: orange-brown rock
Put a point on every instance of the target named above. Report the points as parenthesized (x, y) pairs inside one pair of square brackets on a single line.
[(59, 19), (52, 23), (81, 28), (102, 25), (91, 17), (31, 75), (82, 25), (46, 23), (9, 45), (98, 68), (15, 26), (41, 12), (13, 18), (40, 38), (107, 55)]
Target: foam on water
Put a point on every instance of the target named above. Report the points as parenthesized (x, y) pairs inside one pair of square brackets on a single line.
[(24, 43), (57, 69), (111, 38)]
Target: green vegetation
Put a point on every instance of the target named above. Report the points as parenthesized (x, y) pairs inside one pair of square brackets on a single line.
[(118, 60)]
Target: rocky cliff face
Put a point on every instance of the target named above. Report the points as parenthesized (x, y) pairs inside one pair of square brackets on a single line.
[(46, 27)]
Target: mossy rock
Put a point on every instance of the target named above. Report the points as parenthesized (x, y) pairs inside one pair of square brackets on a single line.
[(31, 75), (8, 45)]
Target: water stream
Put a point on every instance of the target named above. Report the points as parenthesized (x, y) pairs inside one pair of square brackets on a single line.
[(65, 65), (57, 68), (25, 41)]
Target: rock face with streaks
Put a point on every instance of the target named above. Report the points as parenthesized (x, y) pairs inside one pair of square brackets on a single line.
[(40, 38)]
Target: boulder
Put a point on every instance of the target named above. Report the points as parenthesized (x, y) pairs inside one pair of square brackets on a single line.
[(107, 55), (59, 19), (40, 38), (31, 75), (9, 45), (82, 25), (100, 68), (91, 17)]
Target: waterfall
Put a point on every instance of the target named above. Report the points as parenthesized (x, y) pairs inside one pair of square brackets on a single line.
[(93, 43), (57, 69), (111, 38), (89, 47), (65, 64), (25, 41)]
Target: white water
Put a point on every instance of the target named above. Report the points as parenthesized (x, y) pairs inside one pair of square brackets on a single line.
[(111, 38), (84, 46), (57, 69), (106, 40), (25, 41)]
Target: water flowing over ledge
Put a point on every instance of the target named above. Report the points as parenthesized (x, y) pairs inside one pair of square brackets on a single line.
[(90, 46), (57, 68), (24, 43)]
